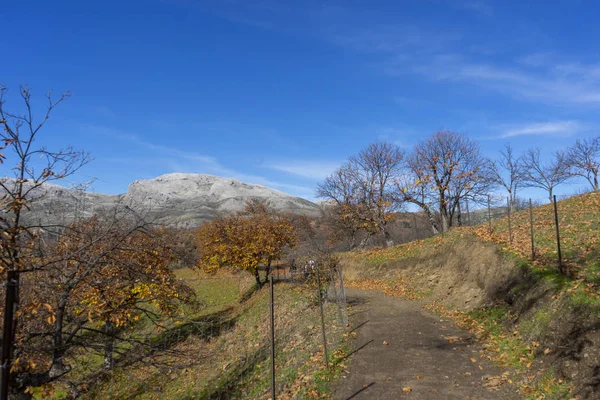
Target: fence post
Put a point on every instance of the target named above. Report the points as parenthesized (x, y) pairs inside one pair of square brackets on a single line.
[(560, 264), (322, 317), (510, 235), (272, 306), (489, 214), (335, 293), (531, 227), (343, 293), (12, 281)]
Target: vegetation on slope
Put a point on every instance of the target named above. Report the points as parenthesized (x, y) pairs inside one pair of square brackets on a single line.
[(536, 321), (231, 353)]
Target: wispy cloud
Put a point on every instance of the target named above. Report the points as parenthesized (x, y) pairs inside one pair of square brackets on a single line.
[(575, 84), (477, 6), (316, 170), (561, 128), (538, 77), (177, 160)]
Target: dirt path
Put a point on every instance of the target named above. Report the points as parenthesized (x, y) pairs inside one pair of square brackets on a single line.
[(399, 346)]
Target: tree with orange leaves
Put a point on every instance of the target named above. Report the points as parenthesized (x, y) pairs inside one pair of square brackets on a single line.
[(258, 236)]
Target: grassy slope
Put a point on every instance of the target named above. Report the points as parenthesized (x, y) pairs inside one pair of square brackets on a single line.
[(232, 356), (539, 317)]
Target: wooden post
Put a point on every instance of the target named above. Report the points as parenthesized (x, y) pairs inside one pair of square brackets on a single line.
[(531, 227), (560, 264), (272, 337), (322, 317), (489, 214), (510, 236)]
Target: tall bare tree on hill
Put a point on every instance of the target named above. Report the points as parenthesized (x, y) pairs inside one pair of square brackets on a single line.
[(442, 171), (507, 171), (545, 175), (584, 159), (377, 166), (341, 189), (361, 190)]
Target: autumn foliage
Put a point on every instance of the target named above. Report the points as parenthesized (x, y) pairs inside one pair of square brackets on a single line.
[(245, 240), (99, 279)]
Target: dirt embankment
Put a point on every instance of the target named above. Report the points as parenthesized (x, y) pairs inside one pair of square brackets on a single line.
[(561, 324)]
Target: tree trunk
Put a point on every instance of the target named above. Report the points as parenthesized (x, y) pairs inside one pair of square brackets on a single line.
[(268, 272), (58, 367), (364, 241), (257, 277), (109, 345), (459, 214), (353, 240), (388, 238), (444, 221)]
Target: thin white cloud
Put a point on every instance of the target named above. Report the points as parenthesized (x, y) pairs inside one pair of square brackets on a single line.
[(551, 84), (479, 7), (315, 170), (539, 77), (562, 128), (176, 160)]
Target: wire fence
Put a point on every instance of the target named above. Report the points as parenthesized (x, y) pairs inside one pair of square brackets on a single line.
[(229, 339), (564, 232)]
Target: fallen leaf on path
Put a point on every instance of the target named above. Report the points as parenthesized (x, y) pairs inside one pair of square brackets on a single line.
[(385, 343), (407, 389), (419, 376), (473, 360), (547, 351), (493, 382)]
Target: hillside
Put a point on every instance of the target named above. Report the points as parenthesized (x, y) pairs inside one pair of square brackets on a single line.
[(539, 324), (182, 200)]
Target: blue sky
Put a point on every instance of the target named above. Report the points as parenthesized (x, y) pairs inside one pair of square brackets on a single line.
[(281, 92)]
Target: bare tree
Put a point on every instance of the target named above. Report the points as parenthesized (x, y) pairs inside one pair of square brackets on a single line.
[(545, 175), (442, 171), (361, 189), (410, 188), (584, 159), (342, 190), (507, 172), (33, 166), (377, 166)]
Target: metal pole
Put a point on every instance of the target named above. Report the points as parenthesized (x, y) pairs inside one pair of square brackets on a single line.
[(272, 337), (335, 293), (531, 226), (560, 264), (7, 332), (322, 317), (489, 214), (510, 235), (343, 294)]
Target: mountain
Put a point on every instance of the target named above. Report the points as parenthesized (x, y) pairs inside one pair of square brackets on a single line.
[(183, 200)]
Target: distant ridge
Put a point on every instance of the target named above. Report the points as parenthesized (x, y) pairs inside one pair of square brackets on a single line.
[(176, 199)]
